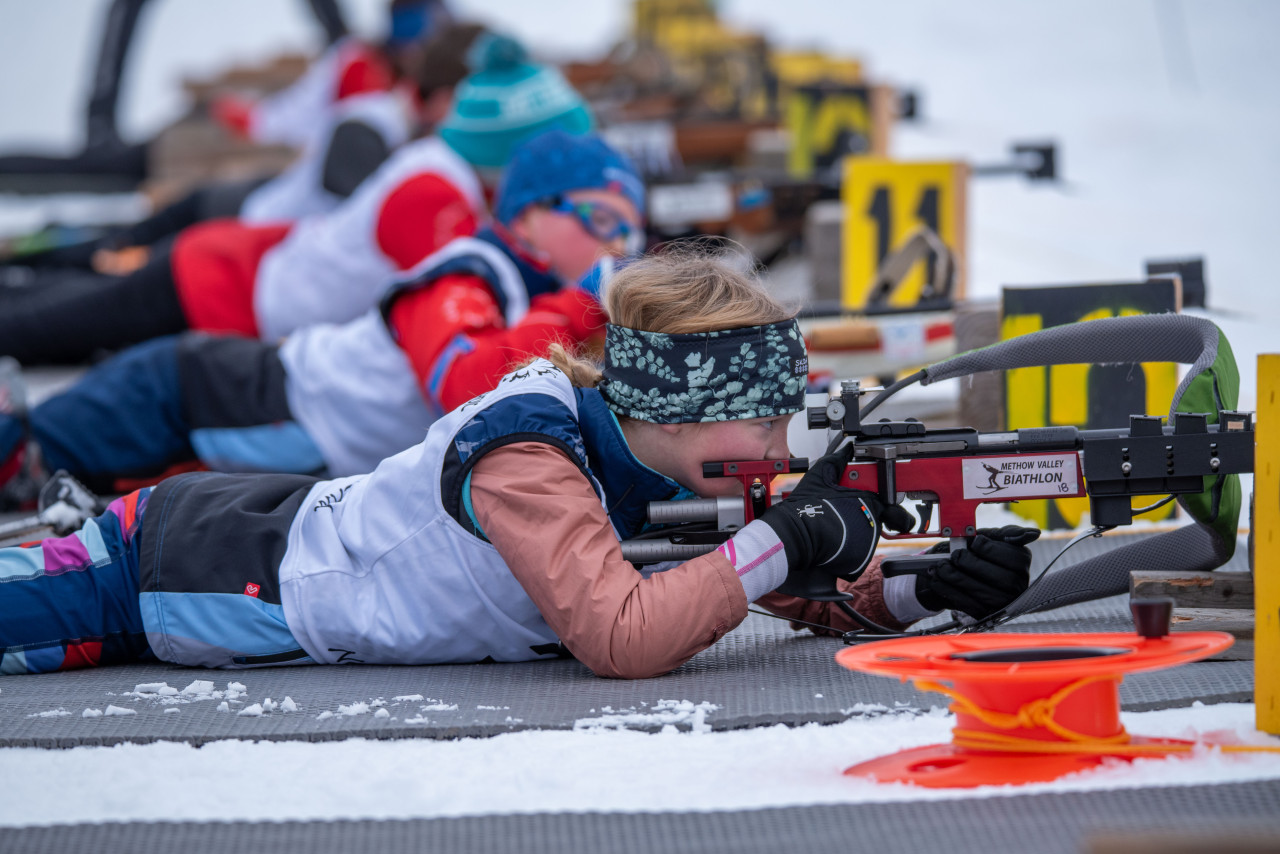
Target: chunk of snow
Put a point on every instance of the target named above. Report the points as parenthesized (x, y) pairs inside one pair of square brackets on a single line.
[(667, 713), (150, 687)]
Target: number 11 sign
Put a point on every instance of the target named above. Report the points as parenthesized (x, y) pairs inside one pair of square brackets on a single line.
[(884, 202)]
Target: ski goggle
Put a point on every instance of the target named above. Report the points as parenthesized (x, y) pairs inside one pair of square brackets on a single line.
[(601, 222)]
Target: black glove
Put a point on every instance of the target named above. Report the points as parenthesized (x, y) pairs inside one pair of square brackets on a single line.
[(829, 531), (983, 578)]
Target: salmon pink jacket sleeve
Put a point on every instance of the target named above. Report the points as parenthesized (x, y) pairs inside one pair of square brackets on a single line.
[(542, 515)]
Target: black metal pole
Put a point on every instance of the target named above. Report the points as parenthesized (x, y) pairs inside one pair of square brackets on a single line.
[(330, 17), (101, 128)]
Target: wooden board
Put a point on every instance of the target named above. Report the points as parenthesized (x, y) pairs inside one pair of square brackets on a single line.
[(1184, 842), (715, 141), (196, 150), (1195, 589), (1234, 621)]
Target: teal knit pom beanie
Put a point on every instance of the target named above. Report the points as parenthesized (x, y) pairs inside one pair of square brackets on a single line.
[(507, 99)]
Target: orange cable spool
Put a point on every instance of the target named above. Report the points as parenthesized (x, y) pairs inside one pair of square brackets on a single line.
[(1029, 708)]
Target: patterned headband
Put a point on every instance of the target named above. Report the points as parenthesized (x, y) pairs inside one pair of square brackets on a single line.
[(753, 372)]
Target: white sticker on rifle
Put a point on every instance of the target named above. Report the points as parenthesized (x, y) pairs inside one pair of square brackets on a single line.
[(1021, 476)]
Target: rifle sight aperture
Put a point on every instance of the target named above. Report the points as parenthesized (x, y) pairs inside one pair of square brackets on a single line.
[(841, 412)]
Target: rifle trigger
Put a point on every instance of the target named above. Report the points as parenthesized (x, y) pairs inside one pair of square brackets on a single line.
[(925, 509)]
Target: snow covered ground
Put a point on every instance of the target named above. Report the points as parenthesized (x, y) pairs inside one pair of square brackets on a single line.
[(559, 771), (1164, 115)]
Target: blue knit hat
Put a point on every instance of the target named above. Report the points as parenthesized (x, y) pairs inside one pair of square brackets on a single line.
[(556, 162), (507, 99), (413, 20)]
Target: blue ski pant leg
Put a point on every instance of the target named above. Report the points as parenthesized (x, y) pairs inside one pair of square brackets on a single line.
[(11, 435), (70, 602), (124, 418), (220, 400)]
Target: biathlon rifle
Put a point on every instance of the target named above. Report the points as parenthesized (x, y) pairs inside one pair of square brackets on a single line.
[(950, 472)]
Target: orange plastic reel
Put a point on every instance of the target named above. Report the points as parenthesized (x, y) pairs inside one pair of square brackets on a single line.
[(1029, 708)]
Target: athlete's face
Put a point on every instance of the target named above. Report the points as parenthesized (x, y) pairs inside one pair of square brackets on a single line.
[(576, 229), (679, 450)]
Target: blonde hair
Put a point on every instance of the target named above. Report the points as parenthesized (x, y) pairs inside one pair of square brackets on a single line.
[(689, 287)]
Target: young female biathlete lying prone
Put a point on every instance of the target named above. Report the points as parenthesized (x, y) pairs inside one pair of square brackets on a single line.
[(497, 537)]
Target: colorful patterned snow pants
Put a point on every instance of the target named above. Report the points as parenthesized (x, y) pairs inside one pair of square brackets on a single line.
[(69, 602)]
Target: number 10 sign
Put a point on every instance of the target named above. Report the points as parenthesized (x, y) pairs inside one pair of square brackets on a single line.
[(884, 202)]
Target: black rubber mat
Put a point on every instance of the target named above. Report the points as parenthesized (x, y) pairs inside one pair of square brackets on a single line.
[(1045, 824), (762, 673)]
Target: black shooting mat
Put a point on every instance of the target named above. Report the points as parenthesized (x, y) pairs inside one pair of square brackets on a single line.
[(762, 673), (1045, 823)]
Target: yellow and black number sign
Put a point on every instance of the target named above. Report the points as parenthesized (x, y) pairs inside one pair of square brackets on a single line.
[(884, 202), (1087, 396), (828, 122)]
